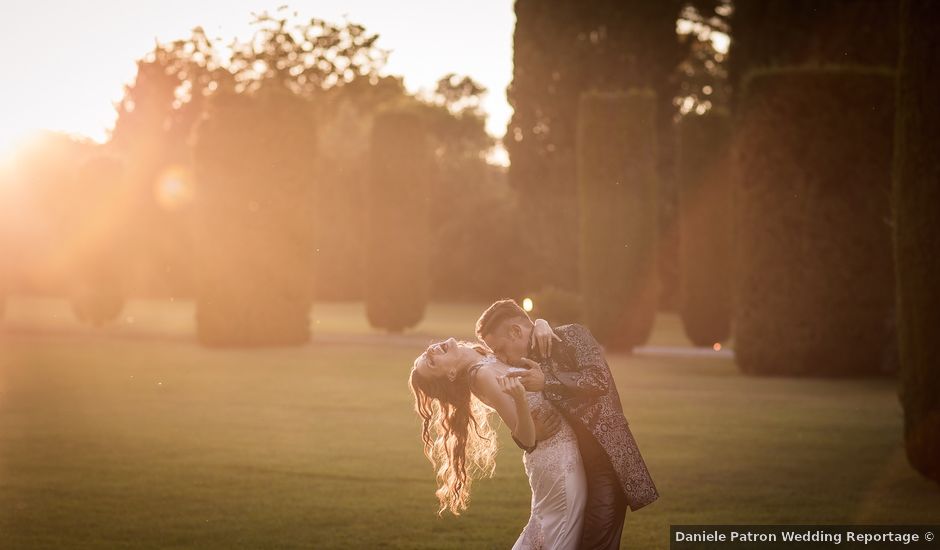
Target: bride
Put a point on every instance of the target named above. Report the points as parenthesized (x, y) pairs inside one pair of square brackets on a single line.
[(457, 385)]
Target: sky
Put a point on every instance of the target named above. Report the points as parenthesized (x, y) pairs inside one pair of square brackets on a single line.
[(66, 62)]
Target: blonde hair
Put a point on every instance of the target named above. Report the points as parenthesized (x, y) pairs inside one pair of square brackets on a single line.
[(448, 410)]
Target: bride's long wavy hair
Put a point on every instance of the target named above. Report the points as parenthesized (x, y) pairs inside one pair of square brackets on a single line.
[(459, 440)]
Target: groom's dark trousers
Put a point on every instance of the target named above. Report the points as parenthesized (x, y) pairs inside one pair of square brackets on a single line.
[(606, 505)]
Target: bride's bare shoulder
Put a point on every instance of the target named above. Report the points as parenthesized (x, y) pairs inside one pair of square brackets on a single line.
[(484, 378)]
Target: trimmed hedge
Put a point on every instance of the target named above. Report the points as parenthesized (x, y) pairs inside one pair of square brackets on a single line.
[(6, 271), (561, 50), (814, 281), (917, 233), (398, 200), (254, 201), (556, 305), (98, 219), (787, 33), (616, 153), (705, 228)]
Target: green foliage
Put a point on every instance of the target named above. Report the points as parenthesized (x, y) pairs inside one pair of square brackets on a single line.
[(308, 56), (305, 56), (814, 277), (705, 237), (97, 305), (703, 71), (916, 197), (46, 219), (459, 93), (151, 135), (336, 66), (479, 246), (4, 275), (557, 306), (344, 120), (254, 199), (560, 50), (397, 202), (768, 33), (618, 188), (480, 221)]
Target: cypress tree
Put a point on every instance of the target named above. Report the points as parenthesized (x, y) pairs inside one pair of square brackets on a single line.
[(253, 198), (398, 200), (705, 240), (782, 33), (560, 50), (916, 209), (617, 179), (814, 283)]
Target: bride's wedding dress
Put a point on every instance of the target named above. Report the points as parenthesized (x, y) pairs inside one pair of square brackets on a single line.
[(559, 487)]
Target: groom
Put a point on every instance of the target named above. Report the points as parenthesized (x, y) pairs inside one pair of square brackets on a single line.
[(575, 378)]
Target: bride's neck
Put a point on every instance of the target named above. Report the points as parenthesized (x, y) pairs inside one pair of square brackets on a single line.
[(469, 357)]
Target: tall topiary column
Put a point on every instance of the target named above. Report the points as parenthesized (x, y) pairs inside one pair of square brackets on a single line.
[(917, 232), (787, 33), (4, 290), (616, 153), (98, 220), (814, 281), (560, 50), (254, 241), (705, 239), (397, 242), (5, 242)]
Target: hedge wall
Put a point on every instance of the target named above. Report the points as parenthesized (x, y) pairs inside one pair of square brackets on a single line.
[(917, 232), (398, 201), (616, 165), (705, 229), (254, 242), (814, 272), (98, 219)]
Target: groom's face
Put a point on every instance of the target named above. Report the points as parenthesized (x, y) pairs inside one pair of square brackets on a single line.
[(509, 341)]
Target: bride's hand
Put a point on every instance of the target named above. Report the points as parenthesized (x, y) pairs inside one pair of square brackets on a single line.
[(533, 379), (543, 335)]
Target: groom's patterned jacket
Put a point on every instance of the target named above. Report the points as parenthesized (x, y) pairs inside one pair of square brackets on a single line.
[(579, 383)]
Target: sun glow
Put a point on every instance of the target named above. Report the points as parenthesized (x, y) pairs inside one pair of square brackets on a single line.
[(21, 125), (174, 188), (48, 91)]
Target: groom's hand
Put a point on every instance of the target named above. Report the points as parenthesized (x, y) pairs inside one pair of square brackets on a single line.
[(533, 378), (547, 422)]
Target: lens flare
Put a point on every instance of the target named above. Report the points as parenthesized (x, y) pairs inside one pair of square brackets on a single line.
[(174, 189)]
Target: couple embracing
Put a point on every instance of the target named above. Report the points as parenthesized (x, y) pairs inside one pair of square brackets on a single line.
[(554, 391)]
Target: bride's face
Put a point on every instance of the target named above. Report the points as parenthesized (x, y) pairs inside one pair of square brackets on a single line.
[(439, 359)]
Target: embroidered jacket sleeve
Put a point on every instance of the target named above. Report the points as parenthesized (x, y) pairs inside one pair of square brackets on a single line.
[(590, 376)]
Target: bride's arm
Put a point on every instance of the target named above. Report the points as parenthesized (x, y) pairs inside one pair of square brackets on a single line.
[(507, 396), (542, 337), (524, 433)]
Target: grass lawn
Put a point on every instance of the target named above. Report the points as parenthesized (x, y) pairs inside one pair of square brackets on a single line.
[(135, 437)]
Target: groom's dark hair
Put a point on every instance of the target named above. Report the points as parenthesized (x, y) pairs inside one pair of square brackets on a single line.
[(497, 313)]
